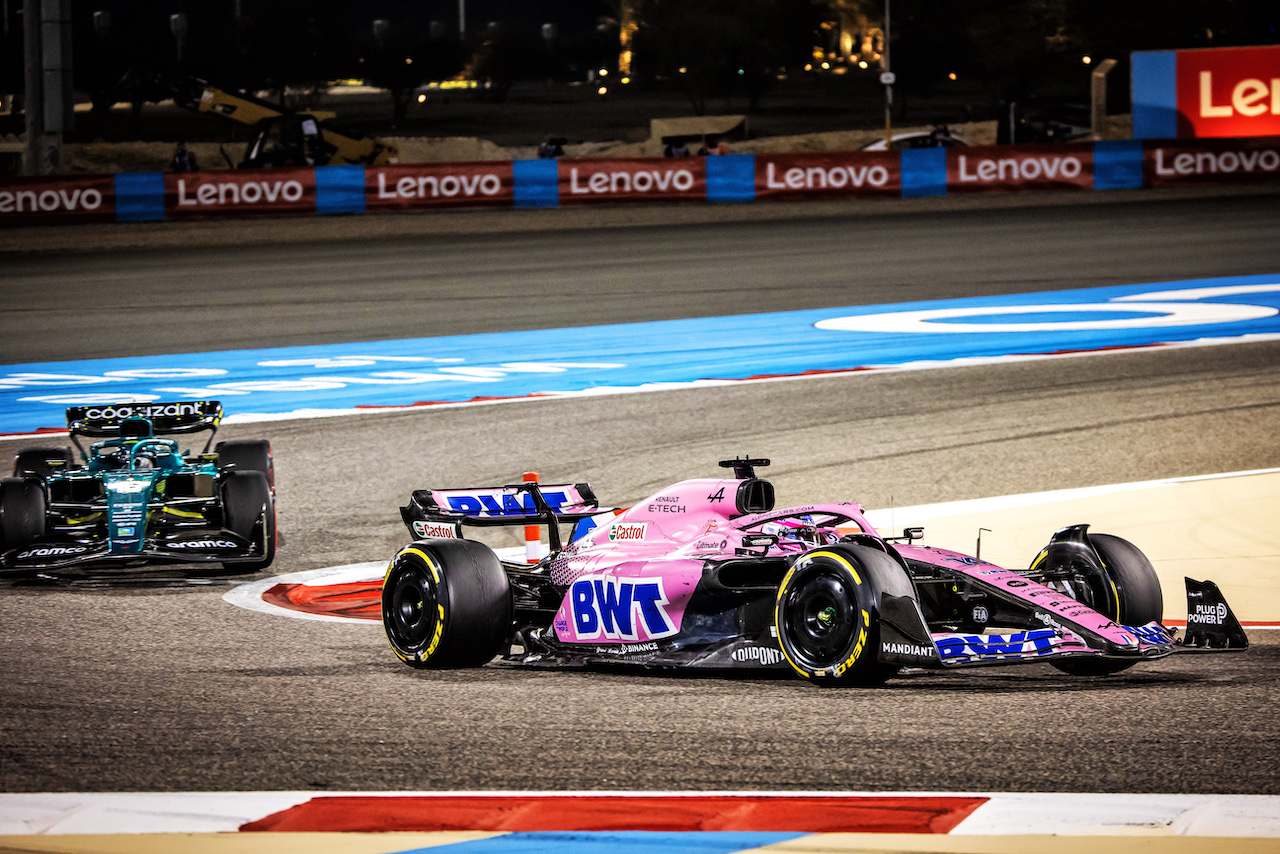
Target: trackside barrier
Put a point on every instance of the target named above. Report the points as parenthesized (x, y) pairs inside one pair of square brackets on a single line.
[(1110, 165)]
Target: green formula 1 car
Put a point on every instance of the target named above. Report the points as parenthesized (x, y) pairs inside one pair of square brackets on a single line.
[(135, 498)]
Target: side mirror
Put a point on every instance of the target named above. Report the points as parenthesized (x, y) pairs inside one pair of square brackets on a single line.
[(763, 542), (908, 534)]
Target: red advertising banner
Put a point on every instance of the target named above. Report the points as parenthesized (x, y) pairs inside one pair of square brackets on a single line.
[(49, 200), (1228, 91), (248, 191), (647, 179), (435, 185), (827, 175), (983, 168), (1169, 163)]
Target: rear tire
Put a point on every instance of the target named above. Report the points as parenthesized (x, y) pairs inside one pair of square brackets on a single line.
[(827, 616), (446, 603), (248, 455), (245, 495), (22, 513), (1136, 594), (36, 462)]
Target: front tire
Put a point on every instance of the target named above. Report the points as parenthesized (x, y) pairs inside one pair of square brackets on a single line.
[(248, 455), (22, 513), (827, 616), (246, 497), (1134, 596), (446, 603)]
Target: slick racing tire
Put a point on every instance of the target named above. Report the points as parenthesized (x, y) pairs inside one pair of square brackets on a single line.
[(37, 462), (22, 513), (446, 603), (248, 455), (1135, 595), (827, 616), (245, 495)]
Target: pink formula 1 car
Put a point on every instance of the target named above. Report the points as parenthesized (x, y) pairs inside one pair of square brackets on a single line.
[(706, 574)]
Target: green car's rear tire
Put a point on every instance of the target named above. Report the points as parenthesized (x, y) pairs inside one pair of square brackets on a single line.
[(40, 462), (446, 603)]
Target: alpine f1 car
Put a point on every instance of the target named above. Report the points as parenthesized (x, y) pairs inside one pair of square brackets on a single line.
[(706, 574), (135, 498)]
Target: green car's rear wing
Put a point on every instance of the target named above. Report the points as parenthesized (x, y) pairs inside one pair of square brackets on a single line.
[(104, 421)]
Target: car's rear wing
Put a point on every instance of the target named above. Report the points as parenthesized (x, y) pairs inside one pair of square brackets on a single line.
[(189, 416), (103, 421), (438, 512)]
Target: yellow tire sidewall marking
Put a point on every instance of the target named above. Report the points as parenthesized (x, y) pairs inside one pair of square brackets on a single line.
[(777, 608), (435, 574)]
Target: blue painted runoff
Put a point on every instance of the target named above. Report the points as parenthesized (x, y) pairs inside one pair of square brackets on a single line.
[(593, 358)]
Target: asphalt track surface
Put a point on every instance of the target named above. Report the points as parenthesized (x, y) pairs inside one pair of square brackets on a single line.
[(153, 683)]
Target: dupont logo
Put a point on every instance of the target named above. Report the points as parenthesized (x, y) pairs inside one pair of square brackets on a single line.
[(762, 654), (435, 530), (628, 532)]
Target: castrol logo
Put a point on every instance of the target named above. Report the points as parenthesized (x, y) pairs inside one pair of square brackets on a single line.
[(628, 532)]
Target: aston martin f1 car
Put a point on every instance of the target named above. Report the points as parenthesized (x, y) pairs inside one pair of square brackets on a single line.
[(135, 498), (706, 574)]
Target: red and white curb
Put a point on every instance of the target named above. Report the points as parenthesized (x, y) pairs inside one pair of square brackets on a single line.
[(966, 814)]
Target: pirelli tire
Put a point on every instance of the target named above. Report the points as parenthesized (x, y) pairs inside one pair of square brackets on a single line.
[(22, 513), (40, 462), (246, 498), (248, 455), (828, 618), (1135, 595), (446, 603)]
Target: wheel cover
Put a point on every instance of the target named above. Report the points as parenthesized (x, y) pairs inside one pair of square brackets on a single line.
[(410, 610), (820, 618)]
